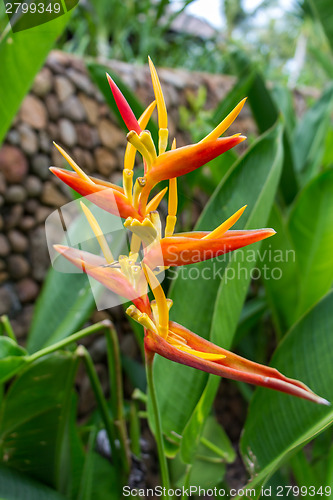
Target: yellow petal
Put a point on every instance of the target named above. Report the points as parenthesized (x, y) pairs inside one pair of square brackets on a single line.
[(223, 228), (199, 354), (72, 163), (225, 124), (98, 233)]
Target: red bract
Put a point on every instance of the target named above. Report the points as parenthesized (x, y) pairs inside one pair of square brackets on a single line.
[(187, 348)]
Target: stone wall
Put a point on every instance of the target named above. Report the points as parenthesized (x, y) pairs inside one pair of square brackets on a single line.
[(65, 106)]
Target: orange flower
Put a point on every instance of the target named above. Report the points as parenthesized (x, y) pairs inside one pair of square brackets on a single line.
[(130, 278)]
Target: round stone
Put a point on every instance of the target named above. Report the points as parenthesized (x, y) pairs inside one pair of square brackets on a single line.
[(18, 241), (13, 164), (15, 194), (27, 290), (33, 186), (4, 246), (18, 267), (67, 132), (33, 112)]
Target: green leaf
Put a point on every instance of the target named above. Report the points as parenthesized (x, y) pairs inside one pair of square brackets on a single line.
[(278, 424), (15, 486), (299, 259), (236, 94), (283, 99), (34, 419), (308, 142), (310, 227), (197, 302), (22, 54), (280, 273), (12, 358), (265, 113), (324, 11)]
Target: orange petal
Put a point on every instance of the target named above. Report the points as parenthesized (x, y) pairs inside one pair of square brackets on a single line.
[(112, 278), (180, 250), (232, 366), (108, 198)]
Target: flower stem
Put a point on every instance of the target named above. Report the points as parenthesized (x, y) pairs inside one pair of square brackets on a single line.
[(117, 394), (70, 340), (158, 426), (8, 327), (102, 404)]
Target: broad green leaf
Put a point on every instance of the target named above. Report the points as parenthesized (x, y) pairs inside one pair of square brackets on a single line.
[(299, 259), (34, 419), (16, 486), (12, 358), (22, 54), (236, 94), (265, 113), (179, 388), (280, 273), (324, 11), (308, 142), (310, 227), (278, 424), (283, 99)]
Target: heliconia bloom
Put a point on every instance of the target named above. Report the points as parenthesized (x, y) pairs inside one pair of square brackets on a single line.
[(129, 278), (105, 195), (189, 248), (112, 278), (187, 348)]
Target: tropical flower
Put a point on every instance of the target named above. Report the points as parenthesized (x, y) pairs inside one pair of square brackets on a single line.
[(129, 276)]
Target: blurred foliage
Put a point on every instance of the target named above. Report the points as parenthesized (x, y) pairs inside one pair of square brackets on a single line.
[(288, 43)]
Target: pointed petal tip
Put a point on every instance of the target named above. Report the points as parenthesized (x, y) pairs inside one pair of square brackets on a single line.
[(323, 401), (60, 248)]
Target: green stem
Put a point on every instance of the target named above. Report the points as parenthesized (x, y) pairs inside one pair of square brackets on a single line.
[(70, 340), (8, 327), (100, 399), (158, 426), (117, 394), (187, 480)]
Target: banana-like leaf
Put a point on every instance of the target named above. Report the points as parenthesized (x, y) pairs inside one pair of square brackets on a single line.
[(323, 9), (34, 420), (15, 485), (300, 256), (277, 424), (308, 141), (22, 54)]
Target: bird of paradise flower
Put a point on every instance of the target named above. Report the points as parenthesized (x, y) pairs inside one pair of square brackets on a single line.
[(130, 277)]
